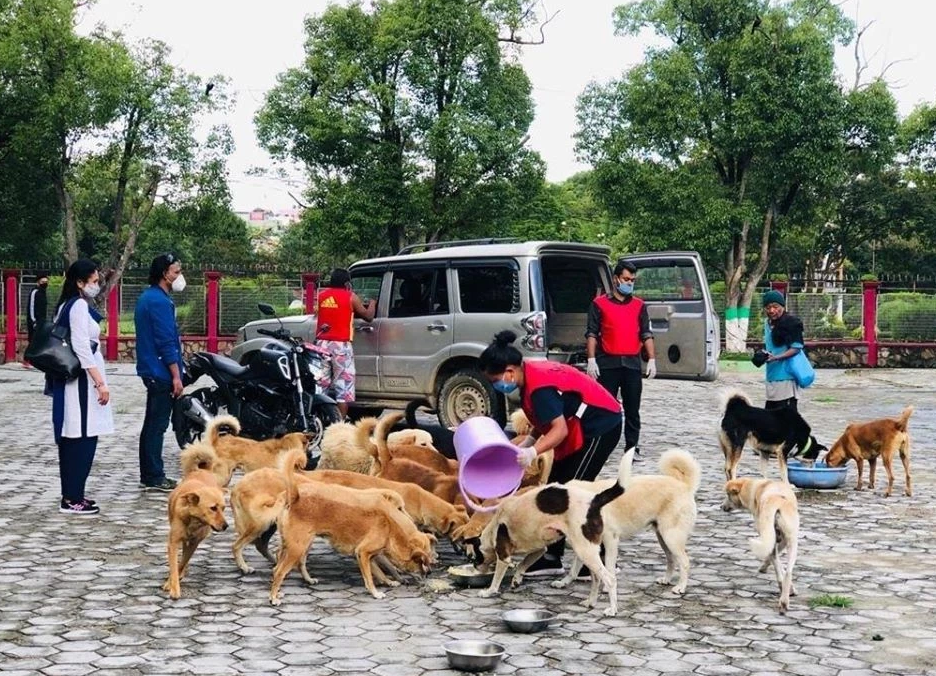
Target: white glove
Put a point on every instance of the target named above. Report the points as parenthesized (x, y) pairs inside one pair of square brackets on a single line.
[(651, 368), (526, 456), (592, 368)]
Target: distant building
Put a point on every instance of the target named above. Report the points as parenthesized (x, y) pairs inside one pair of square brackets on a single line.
[(268, 226)]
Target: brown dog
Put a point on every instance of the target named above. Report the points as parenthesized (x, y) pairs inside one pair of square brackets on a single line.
[(362, 523), (257, 500), (402, 446), (882, 438), (196, 507), (249, 454), (776, 517)]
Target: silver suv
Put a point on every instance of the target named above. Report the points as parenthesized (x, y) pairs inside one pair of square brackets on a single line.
[(439, 305)]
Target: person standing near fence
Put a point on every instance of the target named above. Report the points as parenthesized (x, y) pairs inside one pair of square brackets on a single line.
[(37, 307), (783, 339), (81, 409), (618, 328), (159, 364), (338, 305)]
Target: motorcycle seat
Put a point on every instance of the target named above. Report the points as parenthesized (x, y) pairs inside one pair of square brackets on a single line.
[(227, 366)]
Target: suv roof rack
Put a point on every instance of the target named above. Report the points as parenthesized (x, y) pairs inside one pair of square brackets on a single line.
[(429, 246)]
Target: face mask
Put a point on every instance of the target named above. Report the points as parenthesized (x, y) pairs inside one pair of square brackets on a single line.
[(504, 387), (91, 290), (178, 284), (43, 285), (626, 288)]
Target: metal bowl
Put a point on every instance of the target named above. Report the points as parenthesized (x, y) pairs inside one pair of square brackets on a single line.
[(819, 475), (468, 576), (527, 620), (476, 655)]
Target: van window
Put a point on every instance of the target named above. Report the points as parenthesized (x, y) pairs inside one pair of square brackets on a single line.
[(669, 283), (419, 291), (489, 288), (570, 284)]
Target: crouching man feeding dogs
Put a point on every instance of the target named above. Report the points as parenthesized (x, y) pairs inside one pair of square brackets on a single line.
[(571, 414)]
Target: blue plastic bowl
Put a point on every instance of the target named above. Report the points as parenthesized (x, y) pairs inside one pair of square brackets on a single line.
[(819, 475)]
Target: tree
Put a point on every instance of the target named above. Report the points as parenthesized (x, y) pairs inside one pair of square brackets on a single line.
[(411, 123), (726, 126)]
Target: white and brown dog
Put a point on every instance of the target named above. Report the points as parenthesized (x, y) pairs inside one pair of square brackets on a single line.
[(776, 517)]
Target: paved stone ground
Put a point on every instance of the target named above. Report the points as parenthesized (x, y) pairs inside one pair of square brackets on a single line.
[(82, 596)]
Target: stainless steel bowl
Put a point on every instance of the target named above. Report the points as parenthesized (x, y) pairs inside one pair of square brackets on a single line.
[(467, 576), (527, 620), (476, 655)]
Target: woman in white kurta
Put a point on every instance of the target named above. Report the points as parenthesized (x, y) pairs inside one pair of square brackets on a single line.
[(81, 407)]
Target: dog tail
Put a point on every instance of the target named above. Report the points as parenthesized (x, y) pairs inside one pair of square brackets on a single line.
[(732, 394), (384, 425), (364, 429), (594, 524), (680, 465), (221, 424), (198, 455), (763, 545), (411, 409), (289, 464), (904, 419)]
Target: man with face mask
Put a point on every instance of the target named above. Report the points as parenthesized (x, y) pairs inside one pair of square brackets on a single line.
[(618, 329), (159, 364)]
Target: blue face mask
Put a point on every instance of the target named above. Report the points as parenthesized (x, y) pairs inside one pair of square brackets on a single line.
[(626, 288), (504, 387)]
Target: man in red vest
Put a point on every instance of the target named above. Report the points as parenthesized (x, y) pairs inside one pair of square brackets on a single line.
[(338, 305), (618, 327)]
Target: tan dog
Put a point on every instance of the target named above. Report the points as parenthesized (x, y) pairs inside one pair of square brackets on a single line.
[(427, 510), (664, 502), (526, 524), (346, 446), (257, 500), (521, 425), (249, 454), (776, 517), (411, 437), (196, 507), (362, 523), (425, 455), (882, 438)]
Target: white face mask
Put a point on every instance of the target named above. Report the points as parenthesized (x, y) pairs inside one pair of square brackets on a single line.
[(91, 290), (178, 284)]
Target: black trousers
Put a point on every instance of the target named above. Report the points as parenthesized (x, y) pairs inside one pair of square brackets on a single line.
[(584, 465), (782, 403), (75, 459), (626, 384)]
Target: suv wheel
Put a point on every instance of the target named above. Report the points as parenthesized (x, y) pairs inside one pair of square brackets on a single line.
[(467, 393)]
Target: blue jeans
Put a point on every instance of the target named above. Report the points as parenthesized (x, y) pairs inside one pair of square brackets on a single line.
[(155, 424)]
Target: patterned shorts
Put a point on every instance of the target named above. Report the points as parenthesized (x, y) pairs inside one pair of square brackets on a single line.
[(342, 368)]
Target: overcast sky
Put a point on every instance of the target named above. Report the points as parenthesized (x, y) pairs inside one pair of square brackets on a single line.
[(252, 42)]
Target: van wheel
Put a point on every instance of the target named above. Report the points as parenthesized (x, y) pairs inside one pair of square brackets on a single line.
[(467, 393)]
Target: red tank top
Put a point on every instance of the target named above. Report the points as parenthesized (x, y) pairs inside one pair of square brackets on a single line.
[(620, 326), (334, 309), (565, 378)]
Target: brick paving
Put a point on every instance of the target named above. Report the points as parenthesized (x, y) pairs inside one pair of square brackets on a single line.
[(81, 596)]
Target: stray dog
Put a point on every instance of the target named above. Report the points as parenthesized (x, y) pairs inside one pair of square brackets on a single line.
[(257, 500), (776, 517), (664, 502), (406, 445), (521, 425), (526, 524), (346, 446), (442, 437), (778, 431), (866, 441), (196, 507), (249, 454), (362, 523)]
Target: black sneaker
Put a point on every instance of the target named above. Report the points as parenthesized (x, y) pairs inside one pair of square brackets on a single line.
[(544, 566), (167, 485), (80, 508)]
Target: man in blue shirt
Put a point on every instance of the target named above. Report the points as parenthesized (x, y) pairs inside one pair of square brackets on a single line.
[(159, 364)]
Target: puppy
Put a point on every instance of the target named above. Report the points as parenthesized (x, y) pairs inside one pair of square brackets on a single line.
[(346, 446), (776, 517), (359, 522), (882, 438), (777, 431), (249, 454), (196, 507), (664, 502), (526, 524)]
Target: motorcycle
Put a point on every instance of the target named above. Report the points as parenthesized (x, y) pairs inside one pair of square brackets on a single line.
[(280, 389)]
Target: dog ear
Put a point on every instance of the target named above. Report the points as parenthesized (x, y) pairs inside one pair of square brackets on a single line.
[(191, 499)]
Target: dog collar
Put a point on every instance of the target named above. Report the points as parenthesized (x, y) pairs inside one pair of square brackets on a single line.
[(804, 449)]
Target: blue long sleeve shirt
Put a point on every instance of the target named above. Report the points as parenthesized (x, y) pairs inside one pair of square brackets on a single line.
[(157, 336)]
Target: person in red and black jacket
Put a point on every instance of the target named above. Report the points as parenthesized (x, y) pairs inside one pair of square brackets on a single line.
[(572, 415), (618, 329), (337, 307)]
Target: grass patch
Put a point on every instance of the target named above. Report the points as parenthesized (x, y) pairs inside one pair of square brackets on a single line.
[(735, 356), (831, 601), (826, 399)]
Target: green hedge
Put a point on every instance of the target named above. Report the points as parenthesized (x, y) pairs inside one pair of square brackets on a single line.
[(907, 316)]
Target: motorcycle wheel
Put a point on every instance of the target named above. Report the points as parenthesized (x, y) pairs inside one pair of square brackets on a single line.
[(187, 430), (319, 418)]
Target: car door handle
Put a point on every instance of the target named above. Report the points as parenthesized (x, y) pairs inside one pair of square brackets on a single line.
[(365, 328), (437, 327)]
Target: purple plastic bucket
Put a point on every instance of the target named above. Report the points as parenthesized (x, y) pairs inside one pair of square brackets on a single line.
[(487, 461)]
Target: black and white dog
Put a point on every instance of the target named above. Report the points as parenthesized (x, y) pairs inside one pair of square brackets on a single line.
[(781, 431)]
